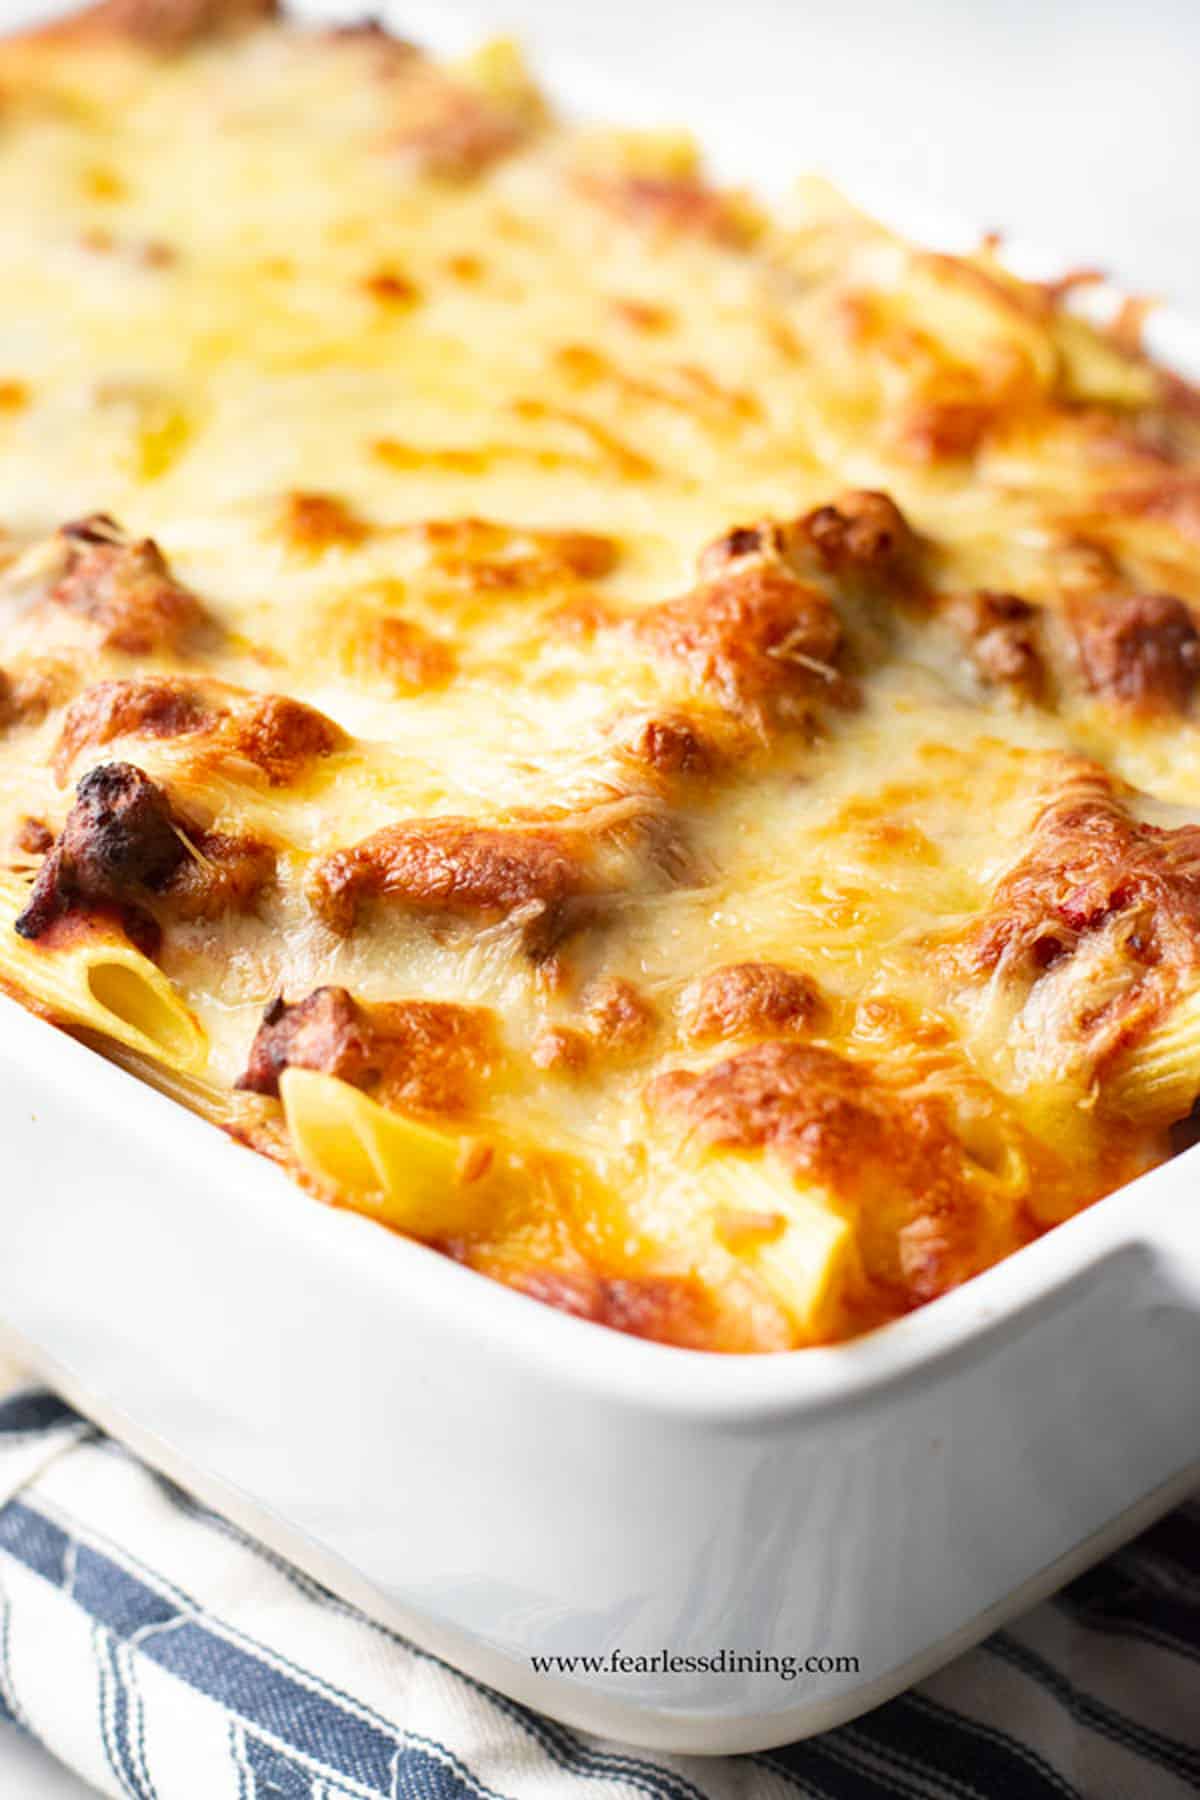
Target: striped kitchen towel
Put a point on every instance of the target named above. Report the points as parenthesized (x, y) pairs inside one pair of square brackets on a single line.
[(164, 1655)]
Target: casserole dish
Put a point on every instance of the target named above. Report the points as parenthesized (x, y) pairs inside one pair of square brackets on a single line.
[(499, 1481), (506, 1487)]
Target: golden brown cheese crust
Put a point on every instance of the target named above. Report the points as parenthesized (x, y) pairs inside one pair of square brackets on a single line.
[(267, 735), (1099, 893), (455, 867), (428, 1055), (152, 706), (784, 895), (124, 589), (674, 746), (550, 877), (752, 999), (761, 642), (279, 736), (481, 554), (832, 1120), (314, 523), (225, 874), (617, 1015), (1090, 863), (407, 656)]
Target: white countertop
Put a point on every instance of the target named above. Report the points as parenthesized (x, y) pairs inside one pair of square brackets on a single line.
[(1073, 126)]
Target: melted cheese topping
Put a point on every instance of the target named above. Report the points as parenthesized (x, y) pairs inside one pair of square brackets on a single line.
[(431, 406)]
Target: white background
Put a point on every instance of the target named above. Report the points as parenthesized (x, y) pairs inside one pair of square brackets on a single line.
[(1073, 126)]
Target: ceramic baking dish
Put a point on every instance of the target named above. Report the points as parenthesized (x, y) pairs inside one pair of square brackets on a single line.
[(503, 1482)]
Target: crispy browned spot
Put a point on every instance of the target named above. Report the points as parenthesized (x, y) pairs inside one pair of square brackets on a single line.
[(409, 658), (1097, 880), (669, 1309), (922, 1230), (582, 616), (763, 643), (546, 876), (813, 1105), (311, 524), (560, 1047), (124, 587), (861, 532), (427, 1055), (159, 706), (327, 1031), (480, 554), (119, 844), (459, 867), (280, 736), (390, 288), (750, 999), (14, 396), (673, 745), (1090, 864), (1142, 650), (223, 873), (617, 1014), (766, 538), (1002, 635)]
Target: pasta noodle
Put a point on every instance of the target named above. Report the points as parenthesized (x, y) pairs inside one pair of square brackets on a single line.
[(409, 1175), (105, 986)]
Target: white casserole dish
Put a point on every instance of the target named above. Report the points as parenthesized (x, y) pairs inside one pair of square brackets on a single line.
[(500, 1481)]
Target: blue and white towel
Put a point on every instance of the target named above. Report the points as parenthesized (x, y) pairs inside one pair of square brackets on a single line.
[(163, 1655)]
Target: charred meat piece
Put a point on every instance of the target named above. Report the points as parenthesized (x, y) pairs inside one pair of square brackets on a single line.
[(119, 843)]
